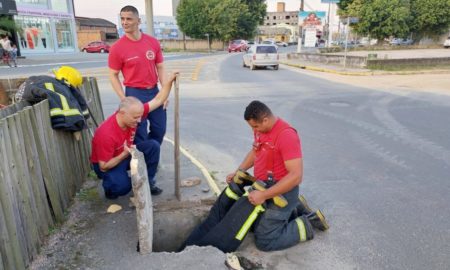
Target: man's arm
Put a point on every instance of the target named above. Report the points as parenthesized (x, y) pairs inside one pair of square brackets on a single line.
[(105, 166), (115, 83), (162, 96), (292, 179), (246, 164)]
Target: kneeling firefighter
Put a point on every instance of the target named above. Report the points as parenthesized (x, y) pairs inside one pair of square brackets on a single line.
[(271, 207), (68, 108)]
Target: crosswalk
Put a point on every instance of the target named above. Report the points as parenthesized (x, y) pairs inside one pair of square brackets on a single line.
[(190, 69)]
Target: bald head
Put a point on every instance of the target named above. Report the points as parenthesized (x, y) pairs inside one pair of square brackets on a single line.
[(130, 112), (130, 103)]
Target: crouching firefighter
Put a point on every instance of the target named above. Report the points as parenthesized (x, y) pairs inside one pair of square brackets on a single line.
[(271, 207)]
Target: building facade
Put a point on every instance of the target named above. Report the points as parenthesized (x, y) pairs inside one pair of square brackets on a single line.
[(45, 26), (165, 27), (281, 16)]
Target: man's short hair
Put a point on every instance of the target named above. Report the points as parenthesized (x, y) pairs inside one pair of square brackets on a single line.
[(128, 102), (256, 111), (130, 9)]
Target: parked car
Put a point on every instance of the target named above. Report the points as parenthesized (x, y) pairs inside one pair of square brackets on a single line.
[(269, 42), (237, 45), (261, 55), (401, 41), (96, 46), (447, 43), (281, 43)]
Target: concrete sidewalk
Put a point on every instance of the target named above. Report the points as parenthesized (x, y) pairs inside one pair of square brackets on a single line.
[(94, 239)]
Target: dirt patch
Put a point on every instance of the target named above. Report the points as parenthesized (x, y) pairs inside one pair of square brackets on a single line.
[(67, 246), (438, 82)]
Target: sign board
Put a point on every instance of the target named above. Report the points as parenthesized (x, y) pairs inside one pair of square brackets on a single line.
[(310, 37), (329, 1), (8, 7), (312, 19), (351, 20)]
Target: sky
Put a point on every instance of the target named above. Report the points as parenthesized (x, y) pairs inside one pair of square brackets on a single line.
[(109, 9)]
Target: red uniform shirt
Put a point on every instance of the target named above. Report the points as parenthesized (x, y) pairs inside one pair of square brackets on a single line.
[(137, 60), (109, 138), (287, 147)]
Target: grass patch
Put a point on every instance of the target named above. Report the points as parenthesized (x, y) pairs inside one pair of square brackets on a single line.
[(408, 67), (88, 195)]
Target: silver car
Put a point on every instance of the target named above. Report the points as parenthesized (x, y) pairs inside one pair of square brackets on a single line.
[(261, 55)]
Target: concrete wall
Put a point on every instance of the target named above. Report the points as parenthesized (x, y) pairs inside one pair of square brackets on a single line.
[(352, 61), (407, 63), (192, 44)]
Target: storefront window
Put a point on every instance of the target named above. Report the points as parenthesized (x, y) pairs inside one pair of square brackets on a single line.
[(34, 33), (60, 5), (64, 34), (33, 2)]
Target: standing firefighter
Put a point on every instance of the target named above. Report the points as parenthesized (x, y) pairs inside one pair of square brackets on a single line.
[(280, 218), (140, 60)]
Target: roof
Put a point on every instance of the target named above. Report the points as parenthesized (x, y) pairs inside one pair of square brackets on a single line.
[(83, 21)]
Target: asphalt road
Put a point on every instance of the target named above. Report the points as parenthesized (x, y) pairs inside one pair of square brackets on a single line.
[(42, 64), (377, 164)]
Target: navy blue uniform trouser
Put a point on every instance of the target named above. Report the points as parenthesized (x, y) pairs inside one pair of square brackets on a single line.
[(116, 181), (157, 118), (274, 229)]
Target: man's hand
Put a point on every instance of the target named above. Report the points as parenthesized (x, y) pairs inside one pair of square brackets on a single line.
[(172, 75), (166, 104), (3, 106), (230, 177), (256, 197)]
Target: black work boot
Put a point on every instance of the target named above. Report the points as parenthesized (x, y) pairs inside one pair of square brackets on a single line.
[(317, 220), (303, 207), (154, 190), (305, 229)]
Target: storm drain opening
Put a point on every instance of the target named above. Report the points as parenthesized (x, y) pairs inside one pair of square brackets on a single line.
[(174, 221)]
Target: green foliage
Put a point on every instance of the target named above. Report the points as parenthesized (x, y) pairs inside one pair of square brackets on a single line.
[(7, 24), (431, 17), (381, 18), (398, 18), (248, 23), (221, 19)]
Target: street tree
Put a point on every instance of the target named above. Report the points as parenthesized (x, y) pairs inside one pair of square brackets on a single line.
[(381, 18), (194, 18), (431, 18), (225, 17), (248, 23), (220, 19)]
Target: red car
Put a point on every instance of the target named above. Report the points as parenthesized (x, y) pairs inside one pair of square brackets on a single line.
[(96, 46), (237, 45)]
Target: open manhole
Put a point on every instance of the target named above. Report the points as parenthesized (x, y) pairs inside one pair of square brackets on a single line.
[(173, 222)]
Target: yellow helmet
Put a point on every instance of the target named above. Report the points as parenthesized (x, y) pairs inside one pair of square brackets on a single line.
[(70, 75)]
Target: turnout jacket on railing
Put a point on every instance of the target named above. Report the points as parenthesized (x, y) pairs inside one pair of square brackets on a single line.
[(68, 108)]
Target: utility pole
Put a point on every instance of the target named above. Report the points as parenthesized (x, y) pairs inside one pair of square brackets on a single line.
[(149, 16), (329, 26), (300, 28)]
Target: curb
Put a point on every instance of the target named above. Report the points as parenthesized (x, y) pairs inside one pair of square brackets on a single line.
[(212, 184), (366, 73), (313, 68)]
